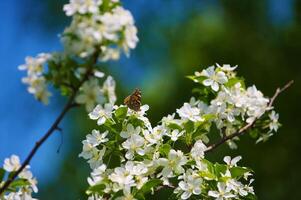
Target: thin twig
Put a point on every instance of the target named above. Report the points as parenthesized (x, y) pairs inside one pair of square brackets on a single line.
[(54, 126), (165, 186), (278, 91), (60, 130), (248, 126)]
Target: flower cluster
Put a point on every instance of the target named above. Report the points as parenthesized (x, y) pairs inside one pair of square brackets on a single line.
[(35, 79), (130, 158), (21, 188), (91, 93), (99, 31), (99, 25), (225, 97)]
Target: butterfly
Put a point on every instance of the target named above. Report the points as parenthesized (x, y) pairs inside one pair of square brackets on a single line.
[(133, 101)]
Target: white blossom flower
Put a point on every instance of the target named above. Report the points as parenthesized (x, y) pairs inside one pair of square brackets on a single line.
[(34, 65), (189, 113), (264, 137), (222, 107), (112, 31), (96, 158), (175, 134), (90, 94), (97, 138), (198, 150), (92, 154), (23, 194), (131, 39), (256, 104), (97, 74), (138, 169), (191, 184), (127, 196), (170, 119), (130, 130), (134, 144), (26, 174), (155, 136), (226, 67), (222, 193), (236, 186), (109, 54), (122, 177), (101, 114), (97, 175), (35, 79), (141, 115), (108, 89), (214, 78), (82, 7), (12, 164), (174, 163), (274, 124), (95, 197), (232, 162)]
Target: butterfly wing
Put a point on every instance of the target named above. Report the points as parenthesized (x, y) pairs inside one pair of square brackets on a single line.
[(127, 100), (134, 100)]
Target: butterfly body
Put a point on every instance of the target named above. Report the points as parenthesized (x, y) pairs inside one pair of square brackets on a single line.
[(133, 101)]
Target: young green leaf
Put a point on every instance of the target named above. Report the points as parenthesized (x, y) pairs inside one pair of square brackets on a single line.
[(96, 189), (2, 174)]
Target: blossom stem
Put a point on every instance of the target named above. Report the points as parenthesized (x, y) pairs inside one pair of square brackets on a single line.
[(248, 126), (55, 126)]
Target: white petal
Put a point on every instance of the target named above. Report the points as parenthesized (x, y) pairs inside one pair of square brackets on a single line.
[(185, 195), (215, 86), (101, 121), (208, 82)]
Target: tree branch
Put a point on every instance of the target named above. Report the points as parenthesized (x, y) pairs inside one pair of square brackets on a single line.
[(55, 126), (248, 126)]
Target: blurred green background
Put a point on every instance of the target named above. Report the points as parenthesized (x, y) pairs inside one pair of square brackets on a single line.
[(262, 37)]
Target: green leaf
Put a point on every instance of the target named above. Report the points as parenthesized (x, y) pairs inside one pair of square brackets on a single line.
[(149, 185), (232, 81), (11, 174), (197, 79), (164, 149), (65, 91), (254, 133), (19, 183), (117, 194), (174, 126), (237, 172), (2, 174), (208, 117), (189, 126), (96, 189), (121, 112), (139, 196), (135, 121), (191, 77), (210, 174), (219, 169)]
